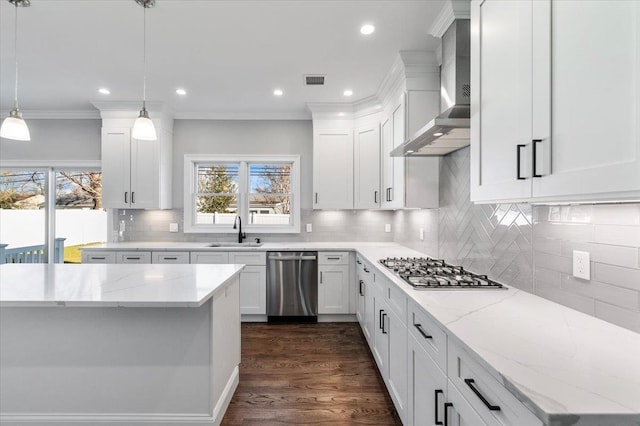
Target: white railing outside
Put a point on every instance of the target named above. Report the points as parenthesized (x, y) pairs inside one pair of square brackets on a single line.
[(31, 254)]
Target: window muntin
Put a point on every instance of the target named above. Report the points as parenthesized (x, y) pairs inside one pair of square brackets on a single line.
[(262, 190)]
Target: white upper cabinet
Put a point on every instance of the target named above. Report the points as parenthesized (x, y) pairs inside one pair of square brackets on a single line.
[(501, 99), (590, 131), (136, 174), (556, 112), (391, 167), (367, 167), (332, 169)]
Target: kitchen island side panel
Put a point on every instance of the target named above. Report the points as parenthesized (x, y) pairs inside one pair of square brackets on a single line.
[(125, 362)]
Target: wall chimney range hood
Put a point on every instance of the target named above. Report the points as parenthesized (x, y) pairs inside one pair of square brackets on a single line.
[(449, 131)]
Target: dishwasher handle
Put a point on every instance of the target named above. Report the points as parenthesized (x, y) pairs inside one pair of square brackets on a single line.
[(283, 258)]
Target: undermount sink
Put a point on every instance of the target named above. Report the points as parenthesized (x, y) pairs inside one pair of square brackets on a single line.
[(235, 245)]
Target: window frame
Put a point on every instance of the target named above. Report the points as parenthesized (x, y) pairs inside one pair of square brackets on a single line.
[(191, 187)]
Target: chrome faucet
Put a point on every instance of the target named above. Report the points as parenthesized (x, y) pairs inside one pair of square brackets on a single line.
[(241, 235)]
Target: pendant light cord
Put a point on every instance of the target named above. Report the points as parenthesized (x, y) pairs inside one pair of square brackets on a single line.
[(144, 56), (15, 51)]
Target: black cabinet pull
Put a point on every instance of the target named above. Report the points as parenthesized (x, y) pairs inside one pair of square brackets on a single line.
[(361, 282), (132, 197), (366, 270), (321, 277), (333, 258), (421, 330), (316, 198), (132, 258), (98, 258), (170, 258), (380, 319), (437, 392), (384, 315), (126, 199), (535, 158), (358, 262), (447, 405), (375, 197), (518, 148), (491, 407)]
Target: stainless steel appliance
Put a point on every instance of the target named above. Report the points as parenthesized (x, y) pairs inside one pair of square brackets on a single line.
[(292, 286), (424, 273)]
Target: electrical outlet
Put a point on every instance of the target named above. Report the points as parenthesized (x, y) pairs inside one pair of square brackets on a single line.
[(387, 227), (421, 234), (173, 227), (309, 227), (581, 265)]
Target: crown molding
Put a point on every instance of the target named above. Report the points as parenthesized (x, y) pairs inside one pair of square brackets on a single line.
[(55, 115), (452, 10), (242, 116)]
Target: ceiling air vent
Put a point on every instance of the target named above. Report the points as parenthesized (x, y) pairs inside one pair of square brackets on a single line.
[(314, 80)]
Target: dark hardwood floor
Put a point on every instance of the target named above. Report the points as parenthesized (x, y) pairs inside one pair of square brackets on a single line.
[(308, 374)]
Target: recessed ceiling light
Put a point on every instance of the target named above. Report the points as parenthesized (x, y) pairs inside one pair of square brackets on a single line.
[(341, 114), (437, 134), (367, 29), (104, 91), (278, 92), (410, 151), (181, 92), (348, 92)]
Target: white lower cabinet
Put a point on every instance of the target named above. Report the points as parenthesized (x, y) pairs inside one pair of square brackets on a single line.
[(253, 290), (333, 283), (133, 257), (397, 361), (98, 257), (427, 387), (170, 257)]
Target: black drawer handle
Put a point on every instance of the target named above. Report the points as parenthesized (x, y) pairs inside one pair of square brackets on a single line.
[(358, 262), (361, 282), (437, 392), (447, 405), (333, 258), (384, 329), (421, 330), (491, 407), (170, 258), (132, 258), (98, 258), (366, 270)]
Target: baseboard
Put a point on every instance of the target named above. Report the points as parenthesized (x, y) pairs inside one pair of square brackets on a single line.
[(223, 403), (253, 318), (337, 318), (130, 419)]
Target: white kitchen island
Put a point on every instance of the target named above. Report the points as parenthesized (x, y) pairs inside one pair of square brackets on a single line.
[(118, 344)]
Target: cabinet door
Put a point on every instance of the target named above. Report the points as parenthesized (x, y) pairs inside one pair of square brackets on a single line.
[(367, 168), (116, 168), (501, 99), (333, 289), (460, 413), (333, 169), (396, 193), (397, 380), (253, 290), (145, 176), (369, 314), (592, 144), (133, 257), (361, 302), (427, 387), (389, 189), (179, 257), (99, 257)]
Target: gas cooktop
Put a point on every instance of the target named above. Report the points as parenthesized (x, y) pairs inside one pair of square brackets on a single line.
[(425, 273)]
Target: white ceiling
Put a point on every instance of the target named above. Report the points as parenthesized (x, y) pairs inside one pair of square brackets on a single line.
[(228, 55)]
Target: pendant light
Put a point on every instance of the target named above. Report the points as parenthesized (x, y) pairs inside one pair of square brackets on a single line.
[(14, 127), (143, 127)]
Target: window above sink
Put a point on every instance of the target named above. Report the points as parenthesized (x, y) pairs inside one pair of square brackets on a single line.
[(263, 190)]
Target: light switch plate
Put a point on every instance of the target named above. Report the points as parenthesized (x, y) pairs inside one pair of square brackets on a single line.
[(309, 227), (581, 265), (387, 227), (173, 227)]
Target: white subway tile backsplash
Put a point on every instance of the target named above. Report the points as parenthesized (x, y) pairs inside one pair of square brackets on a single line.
[(546, 278), (564, 231), (622, 317), (548, 245), (616, 214), (603, 253), (619, 235), (611, 294), (553, 262), (622, 277)]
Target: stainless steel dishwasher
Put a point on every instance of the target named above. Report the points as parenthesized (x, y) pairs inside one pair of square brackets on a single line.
[(292, 286)]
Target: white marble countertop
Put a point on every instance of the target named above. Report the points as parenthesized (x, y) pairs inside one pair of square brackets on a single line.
[(27, 285), (563, 364), (198, 246)]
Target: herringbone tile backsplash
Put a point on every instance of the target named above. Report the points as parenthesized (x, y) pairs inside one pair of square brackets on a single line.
[(531, 248)]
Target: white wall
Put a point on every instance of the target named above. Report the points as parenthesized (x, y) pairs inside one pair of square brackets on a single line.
[(253, 137), (52, 140)]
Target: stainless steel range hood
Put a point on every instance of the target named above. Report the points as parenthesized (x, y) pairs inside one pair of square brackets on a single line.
[(449, 131)]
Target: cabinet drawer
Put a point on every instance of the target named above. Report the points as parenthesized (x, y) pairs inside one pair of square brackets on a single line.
[(489, 398), (170, 257), (396, 299), (428, 334), (133, 257), (333, 258), (100, 257), (248, 258), (213, 257)]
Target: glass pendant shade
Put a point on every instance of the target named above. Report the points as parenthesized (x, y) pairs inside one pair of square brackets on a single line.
[(143, 127), (14, 127)]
